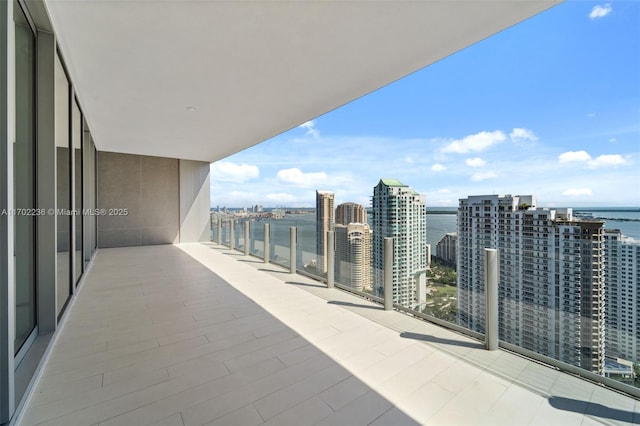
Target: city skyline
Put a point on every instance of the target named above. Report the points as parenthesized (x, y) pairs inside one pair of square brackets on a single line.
[(539, 245), (550, 107)]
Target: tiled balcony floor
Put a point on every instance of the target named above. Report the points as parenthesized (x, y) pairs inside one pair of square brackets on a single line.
[(155, 337)]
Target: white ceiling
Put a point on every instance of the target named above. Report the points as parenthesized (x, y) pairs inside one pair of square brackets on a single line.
[(251, 69)]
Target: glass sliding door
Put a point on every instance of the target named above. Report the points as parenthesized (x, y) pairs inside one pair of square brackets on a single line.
[(76, 141), (63, 188), (88, 193), (24, 179)]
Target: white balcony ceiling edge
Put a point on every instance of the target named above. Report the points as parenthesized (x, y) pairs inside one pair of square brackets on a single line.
[(201, 80)]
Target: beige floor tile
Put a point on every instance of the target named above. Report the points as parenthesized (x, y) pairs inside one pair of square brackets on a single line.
[(156, 336)]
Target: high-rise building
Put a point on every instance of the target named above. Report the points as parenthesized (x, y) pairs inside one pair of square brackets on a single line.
[(347, 213), (400, 212), (324, 223), (622, 295), (353, 256), (551, 292), (446, 248)]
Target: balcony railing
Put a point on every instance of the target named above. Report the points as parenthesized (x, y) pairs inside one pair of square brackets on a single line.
[(519, 314)]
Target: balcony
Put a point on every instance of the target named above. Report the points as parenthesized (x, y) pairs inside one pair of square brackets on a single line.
[(200, 334)]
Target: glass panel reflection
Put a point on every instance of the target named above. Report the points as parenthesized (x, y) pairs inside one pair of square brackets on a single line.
[(23, 180), (76, 125), (63, 186)]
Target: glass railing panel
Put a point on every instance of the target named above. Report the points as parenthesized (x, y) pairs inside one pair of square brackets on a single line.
[(353, 270), (440, 291), (280, 252), (238, 234), (256, 238), (307, 260), (225, 233), (541, 301), (214, 229)]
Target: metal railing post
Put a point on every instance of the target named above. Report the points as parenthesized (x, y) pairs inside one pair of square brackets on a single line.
[(247, 237), (293, 235), (388, 273), (331, 249), (491, 293), (231, 235), (219, 231), (266, 243)]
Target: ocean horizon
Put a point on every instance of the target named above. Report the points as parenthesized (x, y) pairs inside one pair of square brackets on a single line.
[(440, 221)]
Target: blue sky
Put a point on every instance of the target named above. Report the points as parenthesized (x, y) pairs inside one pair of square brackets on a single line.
[(549, 107)]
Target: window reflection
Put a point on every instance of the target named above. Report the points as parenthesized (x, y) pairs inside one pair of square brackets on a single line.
[(23, 180), (76, 124), (63, 200)]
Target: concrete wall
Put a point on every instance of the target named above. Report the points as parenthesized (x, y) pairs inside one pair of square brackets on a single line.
[(148, 188), (167, 200), (195, 201)]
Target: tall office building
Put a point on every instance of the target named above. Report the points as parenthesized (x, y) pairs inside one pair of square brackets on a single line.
[(347, 213), (353, 256), (551, 292), (324, 223), (400, 212), (622, 290)]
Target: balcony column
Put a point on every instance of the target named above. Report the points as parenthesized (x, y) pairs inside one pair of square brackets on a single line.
[(231, 235), (331, 249), (293, 236), (247, 237), (491, 292), (266, 243), (219, 231), (388, 273)]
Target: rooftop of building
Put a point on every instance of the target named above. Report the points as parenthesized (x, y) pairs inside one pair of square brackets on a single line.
[(392, 182)]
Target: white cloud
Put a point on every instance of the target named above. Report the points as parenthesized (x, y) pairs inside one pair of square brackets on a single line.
[(438, 168), (574, 156), (240, 198), (612, 140), (610, 160), (311, 129), (479, 176), (475, 162), (474, 143), (601, 161), (520, 135), (600, 11), (444, 191), (591, 114), (222, 196), (225, 171), (409, 160), (577, 192), (297, 177), (242, 195), (281, 198)]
